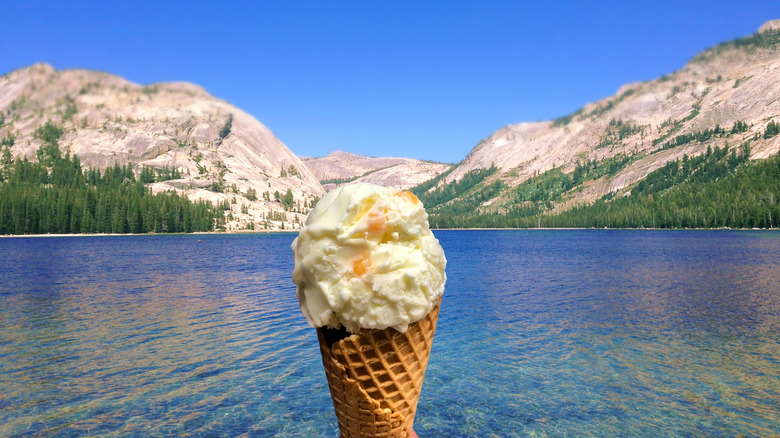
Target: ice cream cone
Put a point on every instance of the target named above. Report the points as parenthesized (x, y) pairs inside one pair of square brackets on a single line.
[(375, 376)]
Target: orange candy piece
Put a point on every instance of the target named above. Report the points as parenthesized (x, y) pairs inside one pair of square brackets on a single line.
[(360, 265), (408, 195), (377, 222)]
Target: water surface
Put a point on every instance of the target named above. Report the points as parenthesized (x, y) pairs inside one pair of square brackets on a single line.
[(541, 333)]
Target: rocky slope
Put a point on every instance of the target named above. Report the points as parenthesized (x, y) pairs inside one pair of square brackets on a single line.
[(339, 168), (731, 82), (221, 152), (226, 156)]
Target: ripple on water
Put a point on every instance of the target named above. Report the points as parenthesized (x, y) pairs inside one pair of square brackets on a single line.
[(541, 333)]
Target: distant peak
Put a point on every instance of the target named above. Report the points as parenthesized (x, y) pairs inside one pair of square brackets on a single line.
[(40, 67), (185, 87), (343, 155), (772, 25)]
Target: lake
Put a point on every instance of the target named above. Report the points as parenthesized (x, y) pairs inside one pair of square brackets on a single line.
[(541, 333)]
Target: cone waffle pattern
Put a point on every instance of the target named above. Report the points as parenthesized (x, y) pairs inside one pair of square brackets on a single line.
[(375, 377)]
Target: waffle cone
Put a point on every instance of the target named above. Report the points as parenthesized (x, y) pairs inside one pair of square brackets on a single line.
[(375, 376)]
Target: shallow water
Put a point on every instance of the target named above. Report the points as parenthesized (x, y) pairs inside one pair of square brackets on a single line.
[(541, 333)]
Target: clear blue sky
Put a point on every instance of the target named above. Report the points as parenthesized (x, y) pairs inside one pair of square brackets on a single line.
[(420, 79)]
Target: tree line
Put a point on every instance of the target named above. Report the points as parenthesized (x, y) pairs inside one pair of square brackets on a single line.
[(703, 135), (55, 195), (720, 188), (455, 189)]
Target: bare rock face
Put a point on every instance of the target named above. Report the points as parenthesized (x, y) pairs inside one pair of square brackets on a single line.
[(221, 152), (339, 168), (773, 25), (734, 81), (405, 176)]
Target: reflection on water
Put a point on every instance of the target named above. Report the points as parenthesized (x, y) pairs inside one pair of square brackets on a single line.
[(587, 333), (162, 335), (615, 333)]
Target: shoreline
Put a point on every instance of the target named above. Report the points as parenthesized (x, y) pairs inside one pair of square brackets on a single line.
[(222, 233), (197, 233), (608, 228)]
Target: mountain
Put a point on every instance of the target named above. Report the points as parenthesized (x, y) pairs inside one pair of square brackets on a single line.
[(197, 144), (725, 97), (338, 168), (695, 128)]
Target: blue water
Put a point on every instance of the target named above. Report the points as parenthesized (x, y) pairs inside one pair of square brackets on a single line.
[(541, 333)]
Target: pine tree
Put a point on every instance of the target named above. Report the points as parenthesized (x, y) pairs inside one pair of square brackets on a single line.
[(87, 220), (772, 129), (288, 200), (147, 175), (251, 194)]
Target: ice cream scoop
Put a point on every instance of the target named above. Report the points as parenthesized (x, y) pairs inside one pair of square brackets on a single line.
[(367, 259)]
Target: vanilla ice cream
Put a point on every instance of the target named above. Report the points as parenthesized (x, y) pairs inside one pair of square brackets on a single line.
[(367, 259)]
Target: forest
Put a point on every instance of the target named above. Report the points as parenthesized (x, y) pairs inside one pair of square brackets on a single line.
[(720, 188), (55, 195)]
